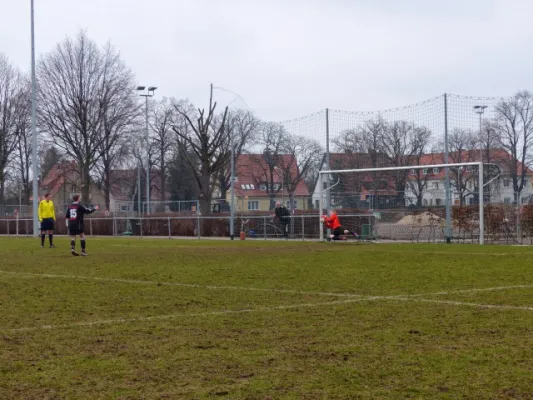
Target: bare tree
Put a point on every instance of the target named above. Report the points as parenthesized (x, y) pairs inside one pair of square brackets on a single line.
[(12, 87), (202, 146), (272, 139), (243, 128), (402, 143), (513, 125), (23, 159), (49, 156), (463, 145), (119, 112), (300, 155), (162, 136), (81, 89)]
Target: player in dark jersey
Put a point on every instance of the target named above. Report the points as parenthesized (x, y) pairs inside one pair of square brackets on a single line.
[(75, 216)]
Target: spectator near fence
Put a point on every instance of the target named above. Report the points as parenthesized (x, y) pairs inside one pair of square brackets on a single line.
[(284, 217)]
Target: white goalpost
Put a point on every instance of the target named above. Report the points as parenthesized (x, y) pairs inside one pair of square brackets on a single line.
[(329, 180)]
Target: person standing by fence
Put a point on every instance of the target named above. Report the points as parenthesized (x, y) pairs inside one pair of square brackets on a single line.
[(47, 218), (284, 216)]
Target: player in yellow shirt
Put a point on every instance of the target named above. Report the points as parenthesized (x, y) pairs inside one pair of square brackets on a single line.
[(47, 217)]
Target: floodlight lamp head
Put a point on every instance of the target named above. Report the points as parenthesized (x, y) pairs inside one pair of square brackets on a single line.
[(152, 88), (141, 87)]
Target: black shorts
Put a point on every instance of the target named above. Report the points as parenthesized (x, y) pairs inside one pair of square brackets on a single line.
[(47, 224), (339, 231), (76, 231)]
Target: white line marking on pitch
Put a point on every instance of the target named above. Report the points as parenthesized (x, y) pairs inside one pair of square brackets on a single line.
[(188, 285), (252, 289), (184, 315), (462, 303)]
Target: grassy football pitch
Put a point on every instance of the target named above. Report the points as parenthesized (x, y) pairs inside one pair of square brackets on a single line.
[(265, 320)]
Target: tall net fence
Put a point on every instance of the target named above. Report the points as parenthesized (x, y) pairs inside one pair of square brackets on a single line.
[(417, 134)]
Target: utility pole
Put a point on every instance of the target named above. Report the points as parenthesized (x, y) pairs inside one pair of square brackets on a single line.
[(34, 129), (148, 93), (447, 175)]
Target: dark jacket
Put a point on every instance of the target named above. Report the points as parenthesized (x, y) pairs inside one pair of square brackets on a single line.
[(282, 213)]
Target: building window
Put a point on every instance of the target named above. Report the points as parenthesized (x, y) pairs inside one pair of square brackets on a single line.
[(317, 203), (243, 187), (435, 171), (253, 205), (425, 202), (413, 172), (438, 202), (294, 204), (506, 183), (436, 185), (469, 168), (263, 187), (425, 171), (507, 200)]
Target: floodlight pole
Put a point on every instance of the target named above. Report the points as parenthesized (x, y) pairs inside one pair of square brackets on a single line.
[(232, 187), (481, 206), (447, 175), (320, 207), (480, 110), (328, 166), (149, 93), (34, 129)]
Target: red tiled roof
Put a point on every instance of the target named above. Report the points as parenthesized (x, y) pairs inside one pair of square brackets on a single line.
[(252, 169), (497, 156), (124, 184), (58, 175)]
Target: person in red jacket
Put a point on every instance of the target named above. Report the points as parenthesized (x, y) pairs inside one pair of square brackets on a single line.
[(332, 222)]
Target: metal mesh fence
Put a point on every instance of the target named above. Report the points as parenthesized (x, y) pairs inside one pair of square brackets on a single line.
[(504, 224)]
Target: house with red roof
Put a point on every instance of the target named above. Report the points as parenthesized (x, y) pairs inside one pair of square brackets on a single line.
[(358, 190), (464, 181), (260, 183), (63, 181)]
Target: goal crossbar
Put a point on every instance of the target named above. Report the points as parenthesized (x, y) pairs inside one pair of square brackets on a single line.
[(478, 164), (455, 165)]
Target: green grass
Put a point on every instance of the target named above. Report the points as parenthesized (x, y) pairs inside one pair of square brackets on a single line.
[(264, 320)]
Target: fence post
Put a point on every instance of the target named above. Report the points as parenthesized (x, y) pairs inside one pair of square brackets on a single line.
[(141, 226), (91, 226), (303, 228), (198, 225), (265, 227), (7, 224), (114, 226), (17, 224), (168, 223)]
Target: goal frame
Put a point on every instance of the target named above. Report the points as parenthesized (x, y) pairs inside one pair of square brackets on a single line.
[(449, 231)]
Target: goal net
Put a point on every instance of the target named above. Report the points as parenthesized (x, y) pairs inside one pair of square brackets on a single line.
[(421, 203)]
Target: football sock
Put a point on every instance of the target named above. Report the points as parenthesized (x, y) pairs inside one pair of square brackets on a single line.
[(43, 237)]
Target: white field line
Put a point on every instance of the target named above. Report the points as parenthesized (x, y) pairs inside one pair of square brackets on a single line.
[(187, 285), (252, 289), (259, 309), (186, 315), (462, 303)]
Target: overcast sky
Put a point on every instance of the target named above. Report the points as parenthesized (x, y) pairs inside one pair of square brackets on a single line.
[(288, 58)]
